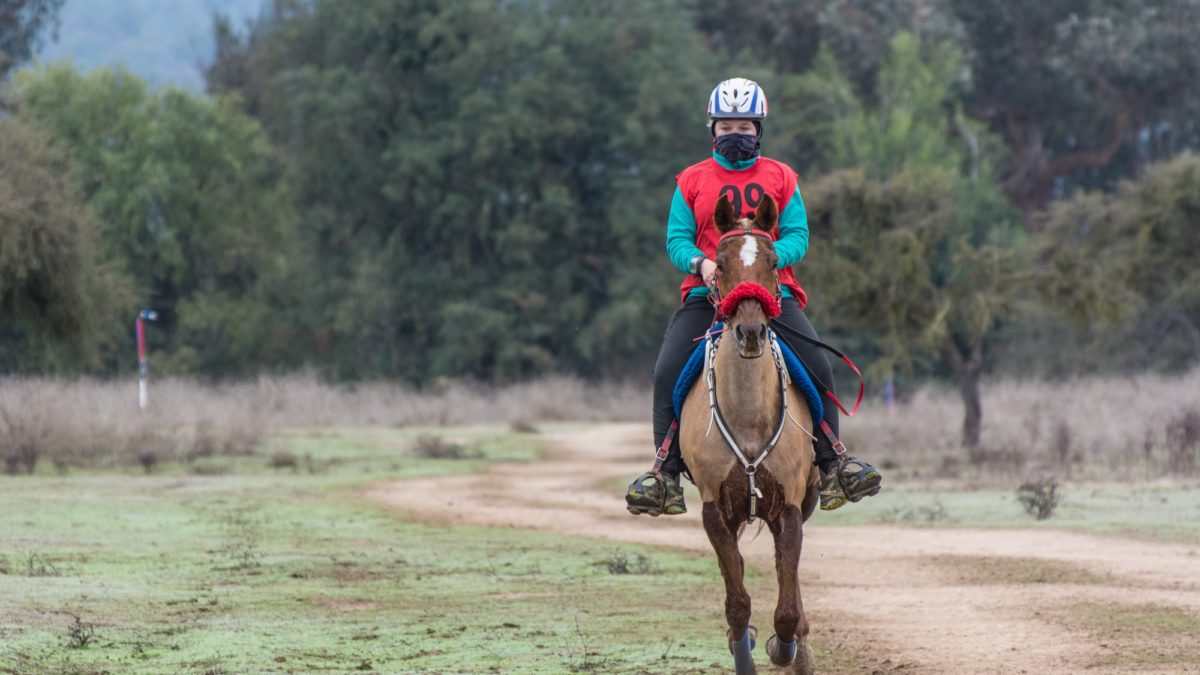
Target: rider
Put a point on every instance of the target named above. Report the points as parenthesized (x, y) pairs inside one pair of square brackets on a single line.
[(737, 170)]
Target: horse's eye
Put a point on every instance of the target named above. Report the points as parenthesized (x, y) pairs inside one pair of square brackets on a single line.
[(721, 265)]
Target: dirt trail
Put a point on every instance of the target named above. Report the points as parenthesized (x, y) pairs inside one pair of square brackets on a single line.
[(928, 600)]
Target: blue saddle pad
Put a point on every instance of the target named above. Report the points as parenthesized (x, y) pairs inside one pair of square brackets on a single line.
[(799, 374)]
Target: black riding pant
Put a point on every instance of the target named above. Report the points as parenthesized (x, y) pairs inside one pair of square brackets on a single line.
[(690, 321)]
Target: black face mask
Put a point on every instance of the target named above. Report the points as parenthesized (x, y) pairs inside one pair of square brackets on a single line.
[(737, 147)]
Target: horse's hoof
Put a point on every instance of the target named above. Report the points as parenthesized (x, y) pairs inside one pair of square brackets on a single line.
[(743, 662), (781, 653)]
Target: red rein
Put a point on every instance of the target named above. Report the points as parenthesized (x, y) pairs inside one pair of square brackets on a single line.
[(748, 290)]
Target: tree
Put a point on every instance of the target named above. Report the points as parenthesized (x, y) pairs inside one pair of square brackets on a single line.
[(910, 119), (908, 261), (485, 182), (788, 35), (21, 25), (1082, 90), (913, 242), (54, 293), (196, 207), (1128, 260)]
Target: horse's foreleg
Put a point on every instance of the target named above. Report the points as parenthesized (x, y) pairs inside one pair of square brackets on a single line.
[(791, 626), (737, 600), (810, 502)]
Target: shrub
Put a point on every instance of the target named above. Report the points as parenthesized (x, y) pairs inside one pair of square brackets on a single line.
[(20, 458), (79, 632), (1039, 497), (282, 459), (1183, 443), (23, 435), (148, 460), (430, 446), (620, 562), (523, 426), (38, 565)]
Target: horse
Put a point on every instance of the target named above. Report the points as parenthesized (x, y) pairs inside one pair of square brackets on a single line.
[(747, 398)]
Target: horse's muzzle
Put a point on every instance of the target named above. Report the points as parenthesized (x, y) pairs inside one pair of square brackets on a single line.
[(750, 340)]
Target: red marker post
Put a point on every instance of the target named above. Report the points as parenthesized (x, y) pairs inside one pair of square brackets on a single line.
[(143, 363)]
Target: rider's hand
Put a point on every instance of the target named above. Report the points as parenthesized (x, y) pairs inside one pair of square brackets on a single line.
[(708, 272)]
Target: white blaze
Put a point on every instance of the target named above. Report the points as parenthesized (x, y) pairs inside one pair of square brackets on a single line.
[(749, 252)]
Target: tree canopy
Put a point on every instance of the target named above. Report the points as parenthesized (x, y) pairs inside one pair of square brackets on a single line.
[(53, 295), (1084, 91), (1131, 255), (194, 201), (416, 189), (22, 25), (483, 206)]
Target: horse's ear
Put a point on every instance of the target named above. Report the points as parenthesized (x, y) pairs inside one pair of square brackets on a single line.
[(723, 215), (767, 215)]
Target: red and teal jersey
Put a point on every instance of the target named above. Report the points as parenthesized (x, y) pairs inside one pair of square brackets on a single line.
[(702, 184)]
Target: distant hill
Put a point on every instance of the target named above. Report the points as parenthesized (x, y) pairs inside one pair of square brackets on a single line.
[(164, 41)]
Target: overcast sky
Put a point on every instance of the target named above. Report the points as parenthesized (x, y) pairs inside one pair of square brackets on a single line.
[(164, 41)]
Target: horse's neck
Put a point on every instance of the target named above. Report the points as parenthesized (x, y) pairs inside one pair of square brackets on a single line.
[(748, 395)]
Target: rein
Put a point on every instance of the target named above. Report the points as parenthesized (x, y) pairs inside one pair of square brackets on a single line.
[(725, 308), (862, 384)]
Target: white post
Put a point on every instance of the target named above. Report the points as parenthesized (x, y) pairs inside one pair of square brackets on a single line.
[(143, 361)]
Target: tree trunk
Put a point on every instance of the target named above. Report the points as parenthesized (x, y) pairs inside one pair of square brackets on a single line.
[(968, 368), (968, 388)]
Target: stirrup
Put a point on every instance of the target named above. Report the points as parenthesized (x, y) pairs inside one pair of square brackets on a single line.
[(850, 481), (654, 494)]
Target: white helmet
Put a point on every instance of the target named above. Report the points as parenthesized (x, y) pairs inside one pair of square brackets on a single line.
[(737, 98)]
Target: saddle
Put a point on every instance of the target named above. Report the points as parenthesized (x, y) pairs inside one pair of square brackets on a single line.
[(796, 370)]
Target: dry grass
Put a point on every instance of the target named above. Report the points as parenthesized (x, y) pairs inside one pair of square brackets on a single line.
[(1122, 428), (1096, 427), (97, 422), (307, 402)]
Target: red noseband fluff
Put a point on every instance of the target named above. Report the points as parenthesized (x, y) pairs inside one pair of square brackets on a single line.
[(748, 290)]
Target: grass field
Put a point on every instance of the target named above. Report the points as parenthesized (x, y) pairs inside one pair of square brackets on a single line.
[(266, 570), (1167, 512), (273, 562)]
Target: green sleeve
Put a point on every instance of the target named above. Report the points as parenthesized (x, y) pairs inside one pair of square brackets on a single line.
[(681, 233), (793, 232)]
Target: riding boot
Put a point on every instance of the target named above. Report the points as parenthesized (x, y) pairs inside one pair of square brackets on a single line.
[(657, 493), (843, 477)]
